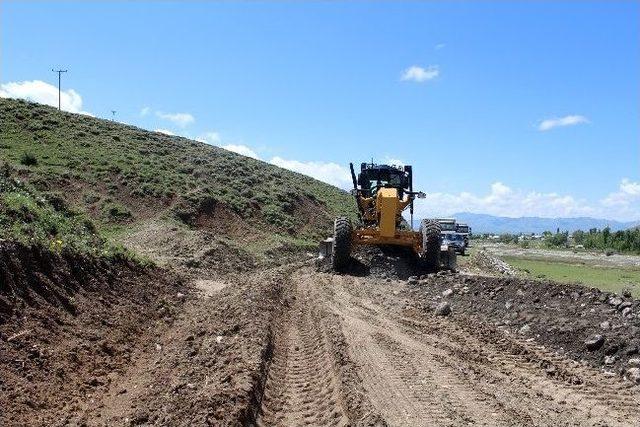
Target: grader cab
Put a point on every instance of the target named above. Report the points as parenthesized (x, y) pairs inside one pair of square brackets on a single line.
[(382, 193)]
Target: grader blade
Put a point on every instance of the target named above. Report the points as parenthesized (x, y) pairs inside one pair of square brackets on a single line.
[(325, 248)]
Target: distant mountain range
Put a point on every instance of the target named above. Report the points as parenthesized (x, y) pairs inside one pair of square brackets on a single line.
[(482, 223)]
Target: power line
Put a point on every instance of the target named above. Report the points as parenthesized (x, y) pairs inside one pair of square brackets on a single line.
[(59, 74)]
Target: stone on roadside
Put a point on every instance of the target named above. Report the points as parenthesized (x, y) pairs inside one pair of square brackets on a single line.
[(443, 309), (594, 342), (524, 330), (447, 293), (605, 325), (615, 301), (633, 375), (624, 305), (609, 360), (634, 363)]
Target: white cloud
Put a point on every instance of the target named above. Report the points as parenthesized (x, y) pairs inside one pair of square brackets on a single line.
[(439, 46), (502, 200), (626, 201), (241, 149), (393, 161), (145, 111), (419, 74), (43, 93), (180, 119), (571, 120), (165, 131), (331, 173), (212, 138)]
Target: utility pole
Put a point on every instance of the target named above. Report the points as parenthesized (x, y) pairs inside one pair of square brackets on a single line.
[(113, 114), (59, 74)]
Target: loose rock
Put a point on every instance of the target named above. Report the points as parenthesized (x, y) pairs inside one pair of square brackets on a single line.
[(615, 301), (524, 330), (634, 363), (443, 309), (624, 305), (594, 342), (633, 375)]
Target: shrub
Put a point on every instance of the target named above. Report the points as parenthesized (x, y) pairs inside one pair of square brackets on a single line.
[(28, 159), (116, 212)]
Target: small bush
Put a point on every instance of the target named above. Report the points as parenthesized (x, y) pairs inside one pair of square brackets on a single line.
[(91, 198), (28, 159), (116, 212)]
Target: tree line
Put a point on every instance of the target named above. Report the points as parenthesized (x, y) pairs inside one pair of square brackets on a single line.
[(605, 239), (623, 241)]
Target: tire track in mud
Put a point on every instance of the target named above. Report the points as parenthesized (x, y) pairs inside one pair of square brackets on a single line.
[(302, 386), (419, 370)]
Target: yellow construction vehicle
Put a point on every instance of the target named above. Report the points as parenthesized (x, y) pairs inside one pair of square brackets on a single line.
[(382, 193)]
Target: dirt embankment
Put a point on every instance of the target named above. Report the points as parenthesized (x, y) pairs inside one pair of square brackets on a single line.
[(68, 324), (484, 262), (563, 317)]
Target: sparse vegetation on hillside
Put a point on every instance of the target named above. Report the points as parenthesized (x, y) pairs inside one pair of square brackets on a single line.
[(120, 174), (45, 219), (33, 218)]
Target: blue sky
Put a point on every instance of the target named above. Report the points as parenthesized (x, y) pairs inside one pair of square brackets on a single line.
[(527, 108)]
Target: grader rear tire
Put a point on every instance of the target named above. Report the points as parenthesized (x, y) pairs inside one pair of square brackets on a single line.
[(341, 252), (430, 230)]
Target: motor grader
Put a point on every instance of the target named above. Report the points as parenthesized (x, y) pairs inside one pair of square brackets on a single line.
[(382, 193)]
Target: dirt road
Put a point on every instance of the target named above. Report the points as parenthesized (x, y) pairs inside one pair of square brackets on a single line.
[(291, 346), (407, 368)]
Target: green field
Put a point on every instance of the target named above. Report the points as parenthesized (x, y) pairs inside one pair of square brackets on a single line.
[(611, 279)]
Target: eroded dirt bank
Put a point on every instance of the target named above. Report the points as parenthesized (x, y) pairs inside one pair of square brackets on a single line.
[(68, 325)]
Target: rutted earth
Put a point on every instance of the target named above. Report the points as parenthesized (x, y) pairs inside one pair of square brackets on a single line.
[(294, 346)]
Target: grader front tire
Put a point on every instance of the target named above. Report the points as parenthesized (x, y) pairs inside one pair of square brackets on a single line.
[(430, 231), (341, 253)]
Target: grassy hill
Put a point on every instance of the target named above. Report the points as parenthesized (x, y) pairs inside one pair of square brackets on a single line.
[(139, 186)]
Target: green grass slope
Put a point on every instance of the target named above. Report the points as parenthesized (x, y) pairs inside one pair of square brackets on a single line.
[(41, 219), (125, 178)]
